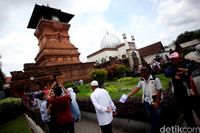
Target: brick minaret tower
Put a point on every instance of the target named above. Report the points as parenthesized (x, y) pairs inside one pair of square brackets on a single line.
[(51, 31)]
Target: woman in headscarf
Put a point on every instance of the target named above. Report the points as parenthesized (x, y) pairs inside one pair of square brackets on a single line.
[(74, 106)]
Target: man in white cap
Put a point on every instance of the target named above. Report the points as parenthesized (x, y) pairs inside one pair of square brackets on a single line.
[(104, 107)]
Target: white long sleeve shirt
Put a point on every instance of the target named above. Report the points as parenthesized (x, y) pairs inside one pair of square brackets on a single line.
[(43, 111), (101, 101)]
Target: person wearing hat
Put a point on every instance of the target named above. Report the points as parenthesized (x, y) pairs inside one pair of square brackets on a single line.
[(195, 81), (74, 105), (151, 97), (178, 70), (104, 107)]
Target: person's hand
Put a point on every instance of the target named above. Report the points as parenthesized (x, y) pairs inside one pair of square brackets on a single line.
[(177, 77), (109, 109), (55, 82), (191, 92), (114, 113), (128, 95), (60, 85), (155, 105)]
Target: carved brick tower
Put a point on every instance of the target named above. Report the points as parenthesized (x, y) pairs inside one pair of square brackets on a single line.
[(51, 31), (57, 56)]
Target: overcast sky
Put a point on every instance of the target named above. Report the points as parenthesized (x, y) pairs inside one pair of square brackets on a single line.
[(148, 20)]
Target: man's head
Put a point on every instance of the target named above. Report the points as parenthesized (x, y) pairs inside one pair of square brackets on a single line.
[(52, 94), (41, 96), (58, 91), (144, 72), (94, 84), (175, 57)]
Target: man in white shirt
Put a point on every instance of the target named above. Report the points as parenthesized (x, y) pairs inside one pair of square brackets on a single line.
[(104, 107), (151, 97)]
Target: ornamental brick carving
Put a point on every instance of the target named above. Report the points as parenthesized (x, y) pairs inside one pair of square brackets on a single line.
[(55, 47)]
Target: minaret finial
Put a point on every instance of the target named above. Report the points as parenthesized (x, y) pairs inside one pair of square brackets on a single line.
[(48, 4), (132, 38), (124, 35)]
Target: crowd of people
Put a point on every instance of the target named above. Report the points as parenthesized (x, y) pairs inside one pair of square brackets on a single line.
[(55, 107), (184, 73), (58, 109)]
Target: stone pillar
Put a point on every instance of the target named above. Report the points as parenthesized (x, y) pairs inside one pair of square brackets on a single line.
[(128, 52), (135, 50)]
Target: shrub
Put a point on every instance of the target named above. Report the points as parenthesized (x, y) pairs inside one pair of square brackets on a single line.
[(111, 89), (121, 70), (68, 84), (99, 75), (117, 71), (9, 108), (112, 71), (10, 103)]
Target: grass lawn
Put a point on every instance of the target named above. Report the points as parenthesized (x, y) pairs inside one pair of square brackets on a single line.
[(17, 125), (120, 86)]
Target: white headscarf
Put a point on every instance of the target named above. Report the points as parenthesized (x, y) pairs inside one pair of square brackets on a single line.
[(72, 94), (70, 89)]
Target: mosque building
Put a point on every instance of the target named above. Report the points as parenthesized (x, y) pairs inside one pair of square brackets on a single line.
[(112, 47)]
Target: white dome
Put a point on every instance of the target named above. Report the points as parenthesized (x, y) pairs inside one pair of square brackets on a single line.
[(110, 41)]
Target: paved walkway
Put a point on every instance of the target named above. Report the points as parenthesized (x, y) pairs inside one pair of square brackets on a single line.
[(84, 126), (88, 126)]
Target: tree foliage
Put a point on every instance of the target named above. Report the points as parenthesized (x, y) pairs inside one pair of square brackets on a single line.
[(117, 71), (187, 36)]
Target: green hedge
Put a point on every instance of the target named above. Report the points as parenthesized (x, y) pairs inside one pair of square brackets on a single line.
[(99, 75), (10, 108)]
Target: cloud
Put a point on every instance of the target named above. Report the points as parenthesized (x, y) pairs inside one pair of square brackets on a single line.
[(18, 45), (92, 19), (179, 13), (88, 36), (145, 30), (176, 17), (89, 6), (9, 11), (16, 49)]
